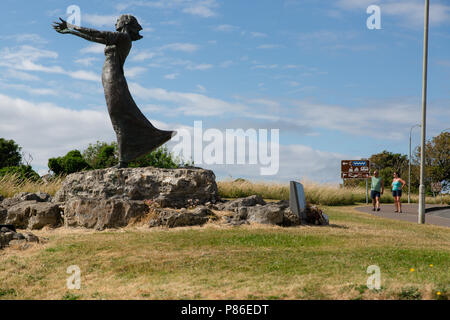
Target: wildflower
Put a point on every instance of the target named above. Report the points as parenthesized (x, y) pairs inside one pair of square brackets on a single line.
[(411, 270), (431, 266)]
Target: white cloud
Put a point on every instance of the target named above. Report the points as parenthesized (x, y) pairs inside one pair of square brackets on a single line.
[(19, 75), (171, 76), (185, 47), (191, 104), (134, 71), (203, 66), (201, 8), (201, 88), (144, 55), (46, 130), (226, 64), (26, 37), (258, 35), (268, 46), (99, 20), (86, 61), (29, 89), (84, 75), (409, 12), (94, 48), (226, 28)]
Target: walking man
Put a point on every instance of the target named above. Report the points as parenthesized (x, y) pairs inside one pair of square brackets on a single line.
[(376, 190)]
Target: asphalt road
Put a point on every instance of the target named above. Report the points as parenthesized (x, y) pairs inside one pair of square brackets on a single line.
[(440, 217)]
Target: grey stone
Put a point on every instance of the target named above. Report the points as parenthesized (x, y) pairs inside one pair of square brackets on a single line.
[(18, 236), (268, 214), (290, 219), (34, 215), (315, 216), (174, 188), (171, 218), (3, 214), (30, 237), (26, 196), (241, 202)]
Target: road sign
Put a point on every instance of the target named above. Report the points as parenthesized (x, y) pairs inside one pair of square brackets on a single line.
[(436, 187), (355, 169)]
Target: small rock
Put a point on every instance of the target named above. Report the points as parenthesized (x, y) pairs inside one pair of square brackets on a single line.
[(31, 237), (171, 218), (18, 236), (19, 244)]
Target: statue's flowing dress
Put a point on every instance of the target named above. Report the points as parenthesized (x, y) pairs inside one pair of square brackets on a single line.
[(136, 136)]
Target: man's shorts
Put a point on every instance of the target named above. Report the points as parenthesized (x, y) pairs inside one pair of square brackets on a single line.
[(397, 193), (374, 194)]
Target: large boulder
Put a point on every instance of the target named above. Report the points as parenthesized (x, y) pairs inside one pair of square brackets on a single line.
[(175, 188), (31, 214), (102, 213)]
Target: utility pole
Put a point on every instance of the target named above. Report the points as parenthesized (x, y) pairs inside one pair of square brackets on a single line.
[(421, 217), (409, 168)]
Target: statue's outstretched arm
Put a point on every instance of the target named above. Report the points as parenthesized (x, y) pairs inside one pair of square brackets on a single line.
[(103, 37)]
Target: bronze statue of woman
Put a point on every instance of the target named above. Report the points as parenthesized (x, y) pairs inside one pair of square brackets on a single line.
[(136, 136)]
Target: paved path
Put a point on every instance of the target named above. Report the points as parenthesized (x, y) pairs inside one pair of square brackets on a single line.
[(436, 217)]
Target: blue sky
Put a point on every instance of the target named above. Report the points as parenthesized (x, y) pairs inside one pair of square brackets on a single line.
[(334, 88)]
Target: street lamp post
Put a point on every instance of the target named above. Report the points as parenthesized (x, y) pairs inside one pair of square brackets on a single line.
[(421, 216), (409, 168)]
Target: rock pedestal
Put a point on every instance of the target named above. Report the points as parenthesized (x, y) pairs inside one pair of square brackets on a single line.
[(112, 197)]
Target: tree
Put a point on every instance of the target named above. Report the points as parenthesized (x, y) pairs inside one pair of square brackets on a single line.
[(159, 158), (387, 162), (437, 160), (101, 155), (22, 172), (9, 153), (72, 162)]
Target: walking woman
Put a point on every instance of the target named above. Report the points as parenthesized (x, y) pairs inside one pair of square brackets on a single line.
[(397, 186)]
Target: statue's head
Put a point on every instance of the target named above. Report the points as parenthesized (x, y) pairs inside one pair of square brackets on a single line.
[(128, 23)]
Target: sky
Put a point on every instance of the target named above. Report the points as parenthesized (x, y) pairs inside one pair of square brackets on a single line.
[(335, 89)]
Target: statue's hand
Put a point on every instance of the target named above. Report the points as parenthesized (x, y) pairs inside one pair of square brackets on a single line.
[(61, 27)]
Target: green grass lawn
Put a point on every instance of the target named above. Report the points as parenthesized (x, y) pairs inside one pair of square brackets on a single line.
[(247, 262)]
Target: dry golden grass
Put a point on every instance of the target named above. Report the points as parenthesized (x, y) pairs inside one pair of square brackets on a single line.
[(246, 262), (10, 185), (324, 194)]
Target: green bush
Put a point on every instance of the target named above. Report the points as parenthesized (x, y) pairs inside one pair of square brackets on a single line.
[(160, 158), (22, 173), (70, 163), (101, 155)]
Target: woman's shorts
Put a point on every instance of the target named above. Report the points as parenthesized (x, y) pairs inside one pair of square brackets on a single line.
[(397, 193), (374, 194)]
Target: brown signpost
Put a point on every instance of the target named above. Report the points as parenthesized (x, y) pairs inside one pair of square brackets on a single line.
[(356, 169)]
